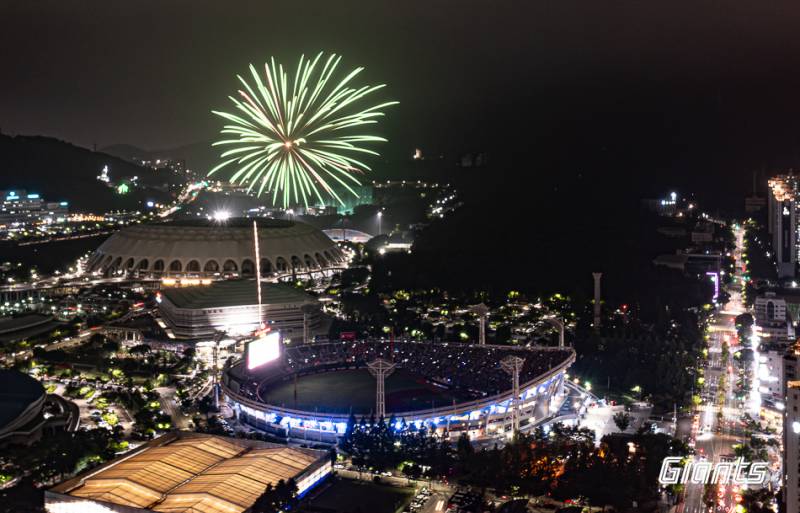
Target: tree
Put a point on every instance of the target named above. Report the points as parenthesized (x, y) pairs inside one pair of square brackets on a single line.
[(710, 495), (97, 339), (347, 438), (277, 498), (744, 322), (622, 420), (111, 346), (265, 502), (60, 454), (464, 454), (205, 404), (758, 500), (140, 350)]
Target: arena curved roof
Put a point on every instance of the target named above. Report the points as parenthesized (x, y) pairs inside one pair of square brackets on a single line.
[(203, 247), (19, 396), (347, 234)]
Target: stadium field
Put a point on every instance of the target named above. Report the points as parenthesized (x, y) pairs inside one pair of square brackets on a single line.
[(354, 391)]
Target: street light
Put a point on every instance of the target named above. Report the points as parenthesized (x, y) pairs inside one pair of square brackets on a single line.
[(380, 216), (221, 215)]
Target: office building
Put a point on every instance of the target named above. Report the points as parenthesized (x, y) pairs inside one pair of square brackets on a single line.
[(772, 319), (782, 222)]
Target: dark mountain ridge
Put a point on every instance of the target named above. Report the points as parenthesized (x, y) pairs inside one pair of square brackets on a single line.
[(60, 171)]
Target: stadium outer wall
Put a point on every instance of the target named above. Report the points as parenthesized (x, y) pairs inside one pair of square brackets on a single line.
[(486, 417)]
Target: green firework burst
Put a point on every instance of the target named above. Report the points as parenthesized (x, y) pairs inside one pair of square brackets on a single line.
[(299, 138)]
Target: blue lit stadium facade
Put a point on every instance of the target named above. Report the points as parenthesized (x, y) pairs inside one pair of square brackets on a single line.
[(474, 368)]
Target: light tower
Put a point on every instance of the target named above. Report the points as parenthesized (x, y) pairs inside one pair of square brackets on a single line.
[(558, 323), (513, 365), (597, 277), (258, 274), (307, 310), (380, 368), (481, 310), (218, 336)]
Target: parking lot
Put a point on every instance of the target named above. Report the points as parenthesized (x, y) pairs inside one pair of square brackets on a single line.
[(426, 501), (352, 496)]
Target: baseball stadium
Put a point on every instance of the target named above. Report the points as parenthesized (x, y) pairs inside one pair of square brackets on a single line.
[(312, 390)]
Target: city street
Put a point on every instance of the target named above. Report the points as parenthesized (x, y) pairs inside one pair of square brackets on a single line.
[(170, 406), (717, 423)]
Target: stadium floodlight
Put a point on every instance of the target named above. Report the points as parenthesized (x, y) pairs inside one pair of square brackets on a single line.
[(381, 369), (308, 310), (221, 215), (481, 310), (558, 323), (513, 365)]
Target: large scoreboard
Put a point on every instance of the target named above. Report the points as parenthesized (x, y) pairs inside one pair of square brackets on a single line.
[(264, 349)]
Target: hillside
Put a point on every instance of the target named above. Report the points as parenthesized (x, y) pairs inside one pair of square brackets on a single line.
[(60, 171), (199, 157)]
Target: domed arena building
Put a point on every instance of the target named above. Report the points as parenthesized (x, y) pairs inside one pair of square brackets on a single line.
[(21, 401), (203, 248)]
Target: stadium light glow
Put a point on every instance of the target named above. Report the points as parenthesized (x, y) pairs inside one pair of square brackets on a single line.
[(468, 417), (263, 350), (221, 215)]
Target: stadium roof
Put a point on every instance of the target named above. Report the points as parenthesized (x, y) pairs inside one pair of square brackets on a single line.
[(223, 294), (22, 322), (349, 234), (182, 242), (27, 327), (191, 473), (235, 222), (17, 392)]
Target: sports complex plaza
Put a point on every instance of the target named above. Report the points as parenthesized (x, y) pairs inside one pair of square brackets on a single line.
[(310, 390)]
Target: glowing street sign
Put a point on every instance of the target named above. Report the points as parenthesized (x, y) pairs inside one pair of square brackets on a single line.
[(715, 279)]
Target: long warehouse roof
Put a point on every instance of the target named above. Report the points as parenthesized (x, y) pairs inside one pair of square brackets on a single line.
[(191, 474)]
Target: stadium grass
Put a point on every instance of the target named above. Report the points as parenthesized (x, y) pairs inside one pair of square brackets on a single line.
[(353, 391)]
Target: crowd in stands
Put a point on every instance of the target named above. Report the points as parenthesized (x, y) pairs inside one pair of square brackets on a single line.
[(472, 370)]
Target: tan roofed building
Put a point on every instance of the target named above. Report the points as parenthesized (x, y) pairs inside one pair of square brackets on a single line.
[(188, 473)]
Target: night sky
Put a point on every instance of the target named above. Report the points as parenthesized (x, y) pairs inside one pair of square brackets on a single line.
[(625, 88)]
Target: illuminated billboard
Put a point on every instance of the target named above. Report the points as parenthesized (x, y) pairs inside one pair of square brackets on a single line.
[(263, 349)]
